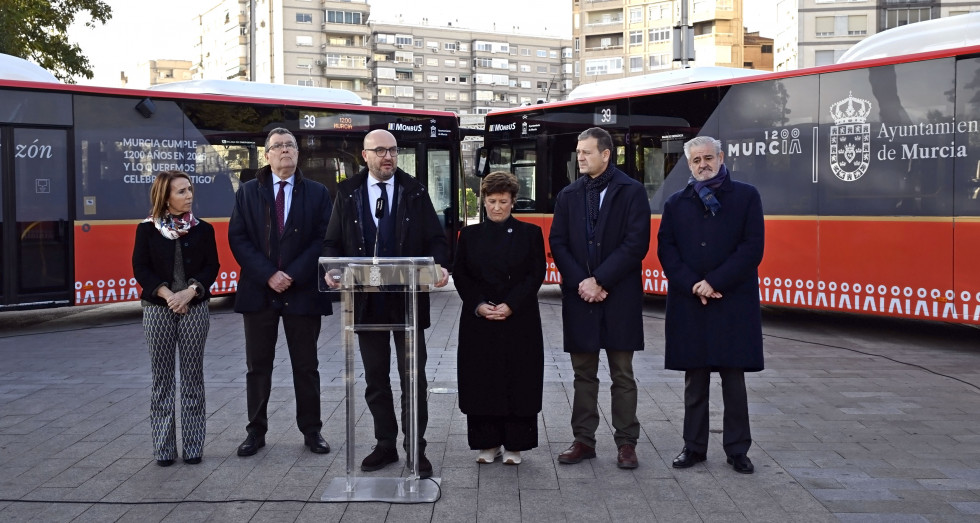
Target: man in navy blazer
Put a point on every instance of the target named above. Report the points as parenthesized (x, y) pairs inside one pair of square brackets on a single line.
[(278, 280), (599, 236)]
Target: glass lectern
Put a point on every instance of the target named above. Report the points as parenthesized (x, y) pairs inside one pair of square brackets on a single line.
[(407, 277)]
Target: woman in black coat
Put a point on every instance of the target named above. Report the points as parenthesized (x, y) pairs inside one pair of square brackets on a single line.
[(498, 270), (175, 261)]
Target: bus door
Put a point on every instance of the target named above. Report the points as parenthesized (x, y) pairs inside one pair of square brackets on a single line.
[(35, 232), (432, 165)]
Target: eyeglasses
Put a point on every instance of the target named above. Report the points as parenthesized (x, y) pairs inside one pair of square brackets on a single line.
[(282, 146), (381, 151)]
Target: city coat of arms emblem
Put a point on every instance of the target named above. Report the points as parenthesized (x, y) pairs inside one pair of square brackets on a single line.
[(850, 138)]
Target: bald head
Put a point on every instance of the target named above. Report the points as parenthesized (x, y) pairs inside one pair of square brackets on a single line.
[(381, 166)]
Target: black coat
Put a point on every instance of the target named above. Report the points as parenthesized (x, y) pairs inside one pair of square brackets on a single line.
[(500, 364), (725, 250), (253, 238), (418, 231), (622, 239), (153, 259)]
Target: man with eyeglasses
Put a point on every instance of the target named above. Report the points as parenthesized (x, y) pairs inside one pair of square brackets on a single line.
[(384, 211), (274, 232)]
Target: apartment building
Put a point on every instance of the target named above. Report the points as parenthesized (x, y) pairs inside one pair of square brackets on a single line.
[(622, 38), (818, 32), (156, 72), (332, 43), (464, 71)]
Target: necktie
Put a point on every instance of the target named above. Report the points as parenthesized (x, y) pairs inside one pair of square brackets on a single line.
[(281, 206), (384, 200)]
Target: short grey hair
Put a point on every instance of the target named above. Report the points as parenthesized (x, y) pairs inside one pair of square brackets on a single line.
[(700, 141)]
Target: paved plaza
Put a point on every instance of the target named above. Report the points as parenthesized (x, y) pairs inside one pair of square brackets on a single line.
[(854, 419)]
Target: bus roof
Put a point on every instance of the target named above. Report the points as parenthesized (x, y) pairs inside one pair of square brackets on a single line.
[(932, 35), (262, 90), (13, 68), (661, 79)]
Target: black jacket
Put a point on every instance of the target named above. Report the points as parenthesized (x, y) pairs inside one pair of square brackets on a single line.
[(153, 259), (418, 231), (254, 242)]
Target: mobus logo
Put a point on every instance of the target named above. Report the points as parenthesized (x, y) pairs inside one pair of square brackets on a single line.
[(499, 127), (405, 128), (850, 139)]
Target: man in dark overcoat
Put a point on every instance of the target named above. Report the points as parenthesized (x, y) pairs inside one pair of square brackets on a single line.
[(710, 245), (275, 233), (599, 236), (408, 226)]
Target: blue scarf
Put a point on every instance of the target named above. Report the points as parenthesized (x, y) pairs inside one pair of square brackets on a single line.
[(706, 189)]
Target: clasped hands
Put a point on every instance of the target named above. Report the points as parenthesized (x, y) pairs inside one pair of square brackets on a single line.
[(704, 290), (494, 311), (590, 290), (178, 301), (280, 281)]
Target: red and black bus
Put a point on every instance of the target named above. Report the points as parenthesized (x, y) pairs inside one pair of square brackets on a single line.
[(869, 174), (76, 164)]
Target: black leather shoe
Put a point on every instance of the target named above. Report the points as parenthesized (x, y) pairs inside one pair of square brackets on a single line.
[(317, 444), (251, 445), (380, 458), (688, 458), (741, 463), (192, 461), (165, 462)]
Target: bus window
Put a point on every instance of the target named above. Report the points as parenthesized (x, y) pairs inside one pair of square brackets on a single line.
[(525, 160), (439, 182), (329, 159), (656, 154)]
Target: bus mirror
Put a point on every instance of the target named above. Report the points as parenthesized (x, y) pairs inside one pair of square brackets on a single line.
[(481, 162)]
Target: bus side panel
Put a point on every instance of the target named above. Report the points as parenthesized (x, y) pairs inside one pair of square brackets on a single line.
[(104, 268), (790, 256), (966, 276), (889, 267)]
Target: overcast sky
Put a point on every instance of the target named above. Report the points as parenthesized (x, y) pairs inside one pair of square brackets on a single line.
[(137, 33)]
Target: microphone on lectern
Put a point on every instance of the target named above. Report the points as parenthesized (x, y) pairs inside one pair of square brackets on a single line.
[(379, 213)]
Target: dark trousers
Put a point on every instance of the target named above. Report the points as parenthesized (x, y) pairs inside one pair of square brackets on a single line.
[(585, 406), (515, 433), (376, 357), (736, 436), (261, 333)]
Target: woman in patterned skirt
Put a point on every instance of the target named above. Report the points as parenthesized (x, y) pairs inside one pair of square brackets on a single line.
[(175, 261)]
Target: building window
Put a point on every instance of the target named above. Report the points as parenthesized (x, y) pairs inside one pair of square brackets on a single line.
[(842, 25), (823, 57), (636, 37), (450, 96), (464, 96), (304, 41), (304, 62), (542, 68), (636, 15), (343, 17), (432, 62), (659, 34), (525, 51), (566, 52), (450, 46), (577, 44), (449, 63), (403, 40), (542, 53), (450, 79), (603, 66), (304, 18), (636, 63), (525, 84), (553, 54), (305, 83), (659, 61), (905, 16), (659, 11), (432, 95)]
